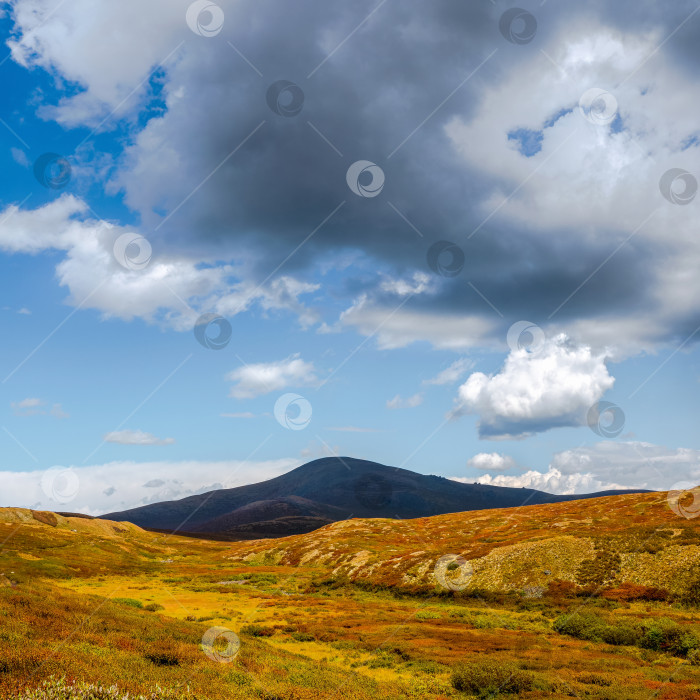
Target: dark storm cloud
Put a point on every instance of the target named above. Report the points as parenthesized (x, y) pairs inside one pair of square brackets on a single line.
[(407, 66)]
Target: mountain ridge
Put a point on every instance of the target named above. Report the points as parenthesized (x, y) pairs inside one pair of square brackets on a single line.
[(328, 490)]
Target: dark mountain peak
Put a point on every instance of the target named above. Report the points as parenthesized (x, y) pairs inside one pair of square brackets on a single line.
[(326, 490), (343, 466)]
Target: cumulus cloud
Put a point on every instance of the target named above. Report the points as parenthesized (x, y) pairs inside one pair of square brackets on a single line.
[(120, 485), (95, 279), (635, 464), (263, 377), (136, 437), (409, 402), (611, 464), (551, 481), (535, 392), (491, 461)]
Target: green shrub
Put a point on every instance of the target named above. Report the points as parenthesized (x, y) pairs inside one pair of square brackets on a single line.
[(257, 631), (487, 678), (153, 607), (303, 637), (621, 634), (658, 635), (130, 602), (580, 625), (667, 635), (428, 615)]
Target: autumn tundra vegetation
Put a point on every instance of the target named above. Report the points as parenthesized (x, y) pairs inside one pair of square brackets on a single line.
[(590, 598)]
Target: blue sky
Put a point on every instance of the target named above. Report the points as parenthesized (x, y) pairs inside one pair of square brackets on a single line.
[(541, 158)]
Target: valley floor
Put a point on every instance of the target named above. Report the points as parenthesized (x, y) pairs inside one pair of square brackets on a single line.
[(112, 605)]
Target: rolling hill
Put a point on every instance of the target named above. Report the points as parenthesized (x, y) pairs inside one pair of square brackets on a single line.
[(583, 598), (324, 491)]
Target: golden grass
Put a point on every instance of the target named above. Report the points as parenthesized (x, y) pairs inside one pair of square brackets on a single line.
[(349, 611)]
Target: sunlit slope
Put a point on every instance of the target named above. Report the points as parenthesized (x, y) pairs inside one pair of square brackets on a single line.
[(634, 538), (44, 544)]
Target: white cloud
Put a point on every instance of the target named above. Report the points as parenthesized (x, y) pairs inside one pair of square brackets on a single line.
[(419, 283), (27, 407), (599, 184), (635, 464), (397, 327), (409, 402), (136, 437), (86, 46), (24, 311), (453, 373), (535, 392), (37, 407), (96, 280), (611, 464), (121, 485), (552, 481), (491, 461), (264, 377)]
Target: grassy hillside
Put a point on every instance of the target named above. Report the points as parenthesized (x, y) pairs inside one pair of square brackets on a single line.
[(632, 538), (593, 599)]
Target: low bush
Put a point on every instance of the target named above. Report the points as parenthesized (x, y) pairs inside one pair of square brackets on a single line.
[(257, 631), (581, 625), (488, 678), (657, 635), (303, 637), (667, 635)]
